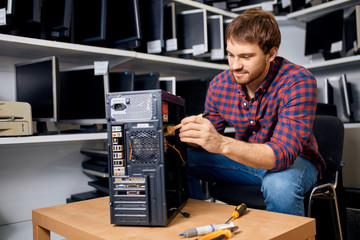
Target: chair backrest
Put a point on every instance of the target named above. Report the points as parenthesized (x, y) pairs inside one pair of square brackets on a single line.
[(329, 134)]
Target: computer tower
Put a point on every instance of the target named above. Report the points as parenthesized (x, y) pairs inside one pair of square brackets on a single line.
[(147, 175)]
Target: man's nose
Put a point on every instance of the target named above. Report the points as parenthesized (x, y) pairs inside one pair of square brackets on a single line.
[(236, 64)]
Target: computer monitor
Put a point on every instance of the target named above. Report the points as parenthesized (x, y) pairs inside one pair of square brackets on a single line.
[(337, 91), (82, 96), (23, 18), (37, 84), (57, 18), (352, 32), (194, 93), (147, 81), (192, 32), (123, 24), (170, 37), (168, 84), (297, 5), (216, 37), (90, 21), (323, 33), (152, 25), (121, 81)]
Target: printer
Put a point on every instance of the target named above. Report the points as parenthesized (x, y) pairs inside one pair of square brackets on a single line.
[(15, 119)]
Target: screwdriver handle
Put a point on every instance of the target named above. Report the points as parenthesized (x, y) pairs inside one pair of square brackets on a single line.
[(239, 210), (219, 234)]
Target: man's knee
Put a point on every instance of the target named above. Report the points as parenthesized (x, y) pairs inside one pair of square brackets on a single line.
[(282, 195)]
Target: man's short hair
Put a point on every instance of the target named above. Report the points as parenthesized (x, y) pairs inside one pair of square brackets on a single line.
[(255, 26)]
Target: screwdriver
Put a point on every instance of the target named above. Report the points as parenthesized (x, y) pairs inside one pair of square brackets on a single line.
[(239, 210), (219, 234)]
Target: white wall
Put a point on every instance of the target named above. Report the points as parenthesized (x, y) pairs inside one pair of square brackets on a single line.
[(39, 175)]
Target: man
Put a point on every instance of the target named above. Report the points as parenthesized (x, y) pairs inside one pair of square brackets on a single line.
[(271, 104)]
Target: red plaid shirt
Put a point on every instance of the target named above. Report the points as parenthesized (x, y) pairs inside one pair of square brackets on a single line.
[(281, 114)]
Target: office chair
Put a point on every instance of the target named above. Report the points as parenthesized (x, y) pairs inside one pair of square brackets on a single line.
[(329, 133)]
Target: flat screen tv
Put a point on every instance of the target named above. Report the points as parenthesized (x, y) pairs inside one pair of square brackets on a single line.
[(168, 84), (147, 81), (192, 32), (82, 96), (37, 84), (90, 21), (216, 37), (337, 91), (123, 24), (121, 81), (352, 32), (170, 37), (23, 17), (57, 19), (152, 25), (323, 33)]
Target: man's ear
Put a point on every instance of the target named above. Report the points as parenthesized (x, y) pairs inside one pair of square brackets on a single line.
[(273, 53)]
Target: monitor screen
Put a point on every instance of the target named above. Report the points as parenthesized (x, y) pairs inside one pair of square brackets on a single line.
[(147, 81), (90, 21), (352, 32), (23, 18), (170, 27), (82, 96), (57, 15), (216, 37), (152, 21), (338, 92), (168, 84), (28, 11), (121, 81), (36, 84), (192, 32), (323, 32), (194, 93), (124, 28)]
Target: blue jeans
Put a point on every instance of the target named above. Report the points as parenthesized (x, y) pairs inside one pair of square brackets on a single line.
[(283, 191)]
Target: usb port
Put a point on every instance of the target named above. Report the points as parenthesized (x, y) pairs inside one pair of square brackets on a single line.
[(118, 155), (118, 162), (118, 148)]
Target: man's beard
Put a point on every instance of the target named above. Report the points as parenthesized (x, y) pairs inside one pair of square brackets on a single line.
[(248, 77)]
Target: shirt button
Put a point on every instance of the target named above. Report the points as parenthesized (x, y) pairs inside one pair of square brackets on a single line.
[(253, 132), (251, 122), (245, 104)]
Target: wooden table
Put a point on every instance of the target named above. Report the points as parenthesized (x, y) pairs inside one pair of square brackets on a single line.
[(90, 220)]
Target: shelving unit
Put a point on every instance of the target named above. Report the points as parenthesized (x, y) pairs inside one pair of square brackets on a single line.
[(188, 4), (53, 138), (308, 14), (70, 54), (17, 48), (339, 62)]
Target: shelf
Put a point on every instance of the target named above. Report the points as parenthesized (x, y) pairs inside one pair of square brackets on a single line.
[(119, 60), (308, 14), (194, 4), (339, 62), (53, 138)]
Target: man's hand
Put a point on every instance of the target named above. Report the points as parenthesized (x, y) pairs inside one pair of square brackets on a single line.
[(200, 131)]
